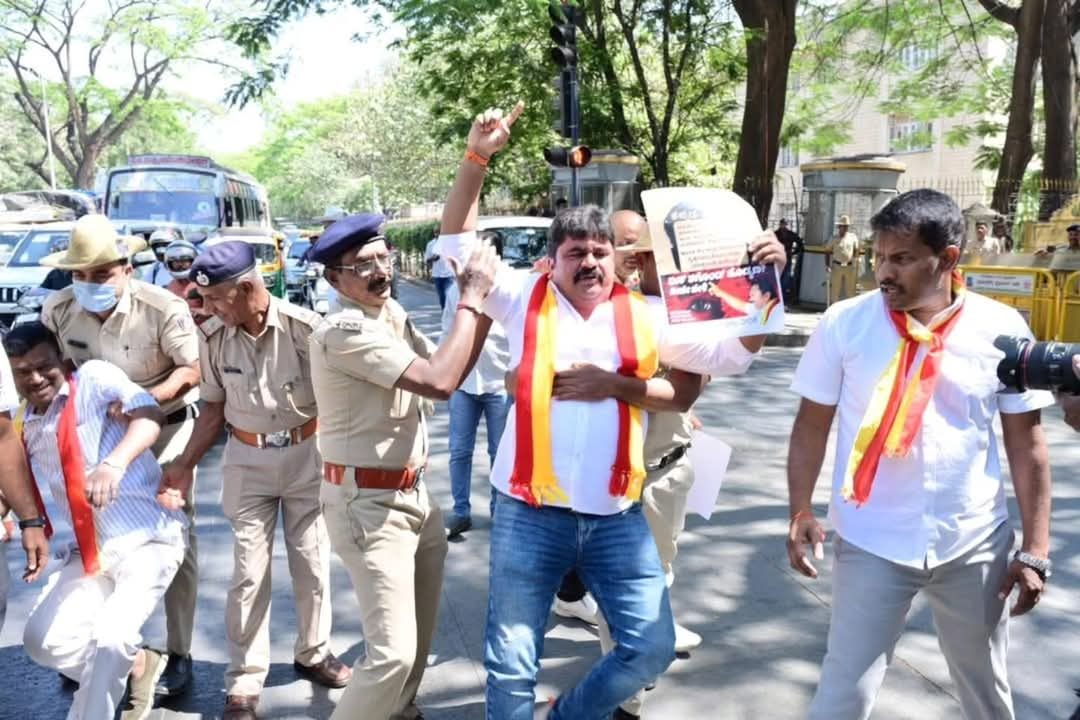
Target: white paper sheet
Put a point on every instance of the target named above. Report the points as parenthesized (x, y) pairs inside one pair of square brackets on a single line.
[(710, 457)]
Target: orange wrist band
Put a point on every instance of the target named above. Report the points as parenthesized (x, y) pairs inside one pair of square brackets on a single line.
[(477, 158)]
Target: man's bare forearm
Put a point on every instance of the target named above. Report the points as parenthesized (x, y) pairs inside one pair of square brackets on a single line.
[(179, 381), (1029, 465), (463, 202), (15, 483), (806, 453), (208, 427)]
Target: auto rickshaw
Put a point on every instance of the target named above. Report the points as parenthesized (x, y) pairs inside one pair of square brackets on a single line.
[(268, 256)]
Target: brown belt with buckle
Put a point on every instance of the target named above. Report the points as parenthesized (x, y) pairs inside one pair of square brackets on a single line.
[(280, 439), (373, 478)]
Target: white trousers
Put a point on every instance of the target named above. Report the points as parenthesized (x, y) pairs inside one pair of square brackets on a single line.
[(90, 628), (871, 599)]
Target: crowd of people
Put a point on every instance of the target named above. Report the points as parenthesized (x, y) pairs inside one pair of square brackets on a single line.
[(587, 394)]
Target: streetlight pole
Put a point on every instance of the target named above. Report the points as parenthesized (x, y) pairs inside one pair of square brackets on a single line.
[(48, 132)]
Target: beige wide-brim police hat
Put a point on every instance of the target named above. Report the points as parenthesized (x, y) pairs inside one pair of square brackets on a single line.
[(844, 220), (642, 244), (94, 242)]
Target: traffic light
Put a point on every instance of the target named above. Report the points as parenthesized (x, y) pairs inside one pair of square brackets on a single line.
[(563, 34), (571, 157)]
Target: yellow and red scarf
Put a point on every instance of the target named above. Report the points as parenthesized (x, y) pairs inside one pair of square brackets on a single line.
[(768, 311), (533, 477), (895, 412), (73, 465)]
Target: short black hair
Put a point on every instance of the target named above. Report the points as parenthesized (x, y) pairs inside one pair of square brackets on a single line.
[(562, 202), (932, 215), (765, 283), (580, 223), (21, 339), (1073, 228)]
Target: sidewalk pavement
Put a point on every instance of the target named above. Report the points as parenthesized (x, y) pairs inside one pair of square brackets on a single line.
[(764, 626)]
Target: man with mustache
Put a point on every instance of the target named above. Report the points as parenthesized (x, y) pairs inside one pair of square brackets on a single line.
[(148, 333), (372, 372), (104, 481), (918, 500), (568, 474)]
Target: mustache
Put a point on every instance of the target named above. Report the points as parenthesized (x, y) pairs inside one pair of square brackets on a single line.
[(377, 284), (588, 274)]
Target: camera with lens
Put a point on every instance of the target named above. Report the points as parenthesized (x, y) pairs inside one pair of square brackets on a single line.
[(1037, 365)]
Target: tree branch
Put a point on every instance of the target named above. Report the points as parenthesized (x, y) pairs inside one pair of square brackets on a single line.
[(1001, 11)]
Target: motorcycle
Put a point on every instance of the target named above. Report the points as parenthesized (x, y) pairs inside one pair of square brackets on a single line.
[(30, 305)]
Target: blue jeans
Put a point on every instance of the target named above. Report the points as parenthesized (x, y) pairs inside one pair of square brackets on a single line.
[(465, 412), (442, 284), (531, 550)]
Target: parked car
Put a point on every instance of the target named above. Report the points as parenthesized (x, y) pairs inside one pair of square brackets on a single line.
[(296, 268), (23, 270), (523, 238)]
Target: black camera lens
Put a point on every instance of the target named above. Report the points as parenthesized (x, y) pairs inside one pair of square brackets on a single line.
[(1037, 365)]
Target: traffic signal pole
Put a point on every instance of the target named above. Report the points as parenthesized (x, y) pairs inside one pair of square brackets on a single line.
[(575, 133), (563, 33)]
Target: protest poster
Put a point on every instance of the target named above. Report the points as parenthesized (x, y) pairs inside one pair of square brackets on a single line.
[(700, 241)]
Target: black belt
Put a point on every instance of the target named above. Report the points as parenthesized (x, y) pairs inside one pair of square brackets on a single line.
[(835, 262), (668, 459), (188, 412)]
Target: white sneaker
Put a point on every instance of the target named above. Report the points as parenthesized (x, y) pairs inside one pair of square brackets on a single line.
[(584, 609), (685, 639)]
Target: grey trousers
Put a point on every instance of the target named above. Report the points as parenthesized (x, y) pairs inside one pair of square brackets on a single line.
[(871, 599)]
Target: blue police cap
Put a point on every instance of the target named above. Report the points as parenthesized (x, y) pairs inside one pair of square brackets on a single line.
[(222, 261), (344, 235)]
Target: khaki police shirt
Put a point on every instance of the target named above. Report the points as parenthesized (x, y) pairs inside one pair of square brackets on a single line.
[(264, 381), (149, 334), (843, 248), (357, 355)]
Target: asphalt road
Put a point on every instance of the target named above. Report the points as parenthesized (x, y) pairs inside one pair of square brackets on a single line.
[(764, 626)]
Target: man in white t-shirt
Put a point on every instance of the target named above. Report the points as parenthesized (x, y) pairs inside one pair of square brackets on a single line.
[(17, 493), (442, 275), (918, 500)]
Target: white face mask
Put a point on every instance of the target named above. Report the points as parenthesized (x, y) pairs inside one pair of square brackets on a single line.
[(94, 297)]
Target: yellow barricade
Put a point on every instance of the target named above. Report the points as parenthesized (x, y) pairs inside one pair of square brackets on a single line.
[(1069, 310), (1035, 292)]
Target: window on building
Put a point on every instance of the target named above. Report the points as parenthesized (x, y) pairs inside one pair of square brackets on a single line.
[(789, 156), (907, 135), (914, 57)]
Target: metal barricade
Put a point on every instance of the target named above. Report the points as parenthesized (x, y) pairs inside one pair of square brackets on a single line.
[(1068, 329), (1034, 292)]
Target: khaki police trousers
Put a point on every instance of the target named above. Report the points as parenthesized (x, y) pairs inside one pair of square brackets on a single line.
[(393, 544), (663, 502), (181, 596), (257, 485), (842, 282)]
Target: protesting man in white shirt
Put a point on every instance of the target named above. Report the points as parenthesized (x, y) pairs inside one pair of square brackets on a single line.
[(569, 473), (918, 501), (17, 493), (88, 437)]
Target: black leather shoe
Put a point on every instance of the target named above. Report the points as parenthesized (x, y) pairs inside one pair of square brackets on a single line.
[(621, 714), (177, 677), (457, 526)]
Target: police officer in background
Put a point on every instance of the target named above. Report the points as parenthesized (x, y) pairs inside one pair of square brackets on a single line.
[(371, 369), (257, 383), (148, 333)]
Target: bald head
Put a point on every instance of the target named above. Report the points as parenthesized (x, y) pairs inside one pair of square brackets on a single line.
[(627, 226)]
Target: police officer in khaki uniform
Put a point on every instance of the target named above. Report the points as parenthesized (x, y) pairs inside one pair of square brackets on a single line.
[(148, 333), (257, 383), (371, 370), (840, 261)]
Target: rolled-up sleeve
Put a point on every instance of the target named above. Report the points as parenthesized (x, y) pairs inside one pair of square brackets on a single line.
[(819, 376), (368, 355), (698, 352)]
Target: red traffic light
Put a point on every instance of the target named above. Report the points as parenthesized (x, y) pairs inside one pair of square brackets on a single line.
[(574, 157)]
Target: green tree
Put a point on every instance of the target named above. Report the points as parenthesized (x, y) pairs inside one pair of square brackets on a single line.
[(85, 47)]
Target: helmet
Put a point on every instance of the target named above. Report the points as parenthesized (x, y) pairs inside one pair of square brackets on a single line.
[(161, 238), (178, 257)]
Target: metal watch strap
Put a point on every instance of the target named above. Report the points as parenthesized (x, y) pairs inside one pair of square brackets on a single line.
[(38, 522), (1039, 565)]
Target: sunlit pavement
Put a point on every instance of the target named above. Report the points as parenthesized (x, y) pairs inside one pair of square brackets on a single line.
[(764, 627)]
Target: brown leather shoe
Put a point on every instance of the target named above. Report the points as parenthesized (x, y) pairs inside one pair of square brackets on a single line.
[(240, 707), (331, 672)]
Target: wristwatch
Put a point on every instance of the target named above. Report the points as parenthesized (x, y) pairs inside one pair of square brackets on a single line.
[(1039, 565), (38, 522)]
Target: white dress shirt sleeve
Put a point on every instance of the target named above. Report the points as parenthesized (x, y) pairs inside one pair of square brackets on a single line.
[(1011, 402), (697, 352), (112, 384), (9, 398), (820, 373)]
